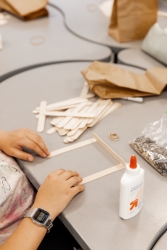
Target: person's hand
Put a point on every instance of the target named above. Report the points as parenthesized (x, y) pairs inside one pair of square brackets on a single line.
[(57, 191), (11, 143)]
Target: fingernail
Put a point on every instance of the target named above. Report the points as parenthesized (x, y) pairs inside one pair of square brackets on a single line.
[(44, 155), (30, 159), (48, 153)]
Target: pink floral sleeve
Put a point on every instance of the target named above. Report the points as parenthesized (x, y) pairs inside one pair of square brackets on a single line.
[(16, 196)]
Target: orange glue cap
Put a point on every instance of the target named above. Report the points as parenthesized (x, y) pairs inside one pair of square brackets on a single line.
[(133, 162)]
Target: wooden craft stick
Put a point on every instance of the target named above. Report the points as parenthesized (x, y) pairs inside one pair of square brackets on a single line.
[(69, 139), (65, 140), (72, 114), (97, 118), (56, 120), (68, 119), (62, 107), (75, 125), (72, 147), (41, 119), (72, 132), (162, 13), (90, 95), (62, 131), (91, 109), (85, 90), (78, 133), (102, 174), (72, 101), (109, 109), (74, 122), (35, 111), (51, 130), (109, 150), (101, 106), (115, 106)]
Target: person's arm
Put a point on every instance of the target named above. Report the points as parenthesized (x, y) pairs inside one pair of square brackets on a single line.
[(53, 196), (11, 143)]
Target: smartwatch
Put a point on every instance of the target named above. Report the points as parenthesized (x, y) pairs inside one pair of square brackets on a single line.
[(40, 217)]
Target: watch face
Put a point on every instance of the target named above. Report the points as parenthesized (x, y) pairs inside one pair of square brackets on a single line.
[(41, 215)]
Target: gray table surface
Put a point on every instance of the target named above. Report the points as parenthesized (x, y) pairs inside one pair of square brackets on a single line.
[(162, 243), (58, 43), (92, 216), (90, 25), (138, 58)]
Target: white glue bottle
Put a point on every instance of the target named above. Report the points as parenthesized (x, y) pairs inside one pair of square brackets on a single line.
[(131, 190)]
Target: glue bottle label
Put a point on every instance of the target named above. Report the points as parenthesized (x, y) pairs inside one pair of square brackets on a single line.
[(136, 197)]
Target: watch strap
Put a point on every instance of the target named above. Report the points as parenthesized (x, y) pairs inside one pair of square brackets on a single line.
[(48, 224)]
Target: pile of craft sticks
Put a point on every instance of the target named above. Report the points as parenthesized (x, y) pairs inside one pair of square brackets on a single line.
[(74, 116)]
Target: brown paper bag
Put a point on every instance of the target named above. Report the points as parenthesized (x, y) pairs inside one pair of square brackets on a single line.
[(25, 9), (132, 19), (110, 81)]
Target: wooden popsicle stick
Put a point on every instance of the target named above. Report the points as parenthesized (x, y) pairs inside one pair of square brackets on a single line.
[(62, 131), (72, 147), (65, 140), (74, 122), (85, 90), (62, 107), (41, 119), (115, 106), (51, 130), (109, 109), (86, 110), (69, 139), (76, 100), (35, 111), (78, 133), (72, 132), (100, 115), (97, 119), (162, 13), (73, 114), (90, 95), (99, 101), (77, 109), (102, 174), (77, 123), (101, 106), (56, 120), (91, 109), (109, 150)]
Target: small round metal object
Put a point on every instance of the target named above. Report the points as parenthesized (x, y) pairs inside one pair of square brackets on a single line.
[(114, 136), (37, 40), (92, 7)]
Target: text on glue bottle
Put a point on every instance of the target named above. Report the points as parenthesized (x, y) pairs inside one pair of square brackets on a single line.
[(131, 190)]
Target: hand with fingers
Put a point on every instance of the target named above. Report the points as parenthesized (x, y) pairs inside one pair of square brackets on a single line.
[(57, 191), (11, 143)]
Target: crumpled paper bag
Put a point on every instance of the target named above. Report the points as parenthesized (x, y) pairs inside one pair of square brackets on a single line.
[(25, 9), (110, 81), (132, 19)]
